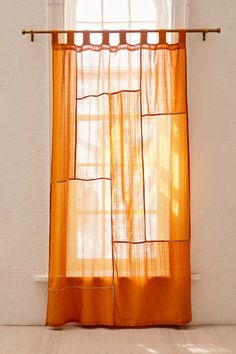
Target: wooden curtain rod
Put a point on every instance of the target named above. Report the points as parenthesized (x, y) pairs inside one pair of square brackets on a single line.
[(204, 31)]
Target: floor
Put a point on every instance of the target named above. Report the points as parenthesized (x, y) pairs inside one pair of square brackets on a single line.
[(74, 339)]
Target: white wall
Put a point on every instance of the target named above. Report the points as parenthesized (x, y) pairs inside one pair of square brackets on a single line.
[(24, 161), (212, 120)]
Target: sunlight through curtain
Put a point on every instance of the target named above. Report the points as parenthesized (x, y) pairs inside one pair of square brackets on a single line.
[(119, 231)]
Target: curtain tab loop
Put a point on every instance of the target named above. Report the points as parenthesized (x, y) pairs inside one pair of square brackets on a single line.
[(70, 38), (144, 37), (122, 37), (105, 37), (182, 36), (54, 38), (86, 37), (162, 37)]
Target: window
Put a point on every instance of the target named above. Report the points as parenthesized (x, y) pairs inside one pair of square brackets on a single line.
[(110, 14), (92, 195), (126, 14)]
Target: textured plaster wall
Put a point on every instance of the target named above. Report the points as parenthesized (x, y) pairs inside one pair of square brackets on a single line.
[(24, 160), (212, 119)]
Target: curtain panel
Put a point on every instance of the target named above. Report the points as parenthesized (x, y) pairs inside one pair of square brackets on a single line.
[(119, 214)]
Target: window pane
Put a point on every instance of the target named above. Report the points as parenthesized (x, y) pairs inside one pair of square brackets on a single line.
[(88, 10), (115, 10), (143, 10)]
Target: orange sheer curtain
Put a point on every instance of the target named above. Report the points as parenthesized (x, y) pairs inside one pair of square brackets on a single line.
[(119, 230)]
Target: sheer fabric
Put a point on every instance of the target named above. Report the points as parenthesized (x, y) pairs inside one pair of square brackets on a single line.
[(119, 232)]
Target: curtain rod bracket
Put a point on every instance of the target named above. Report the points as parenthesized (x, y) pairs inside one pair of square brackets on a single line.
[(31, 34)]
